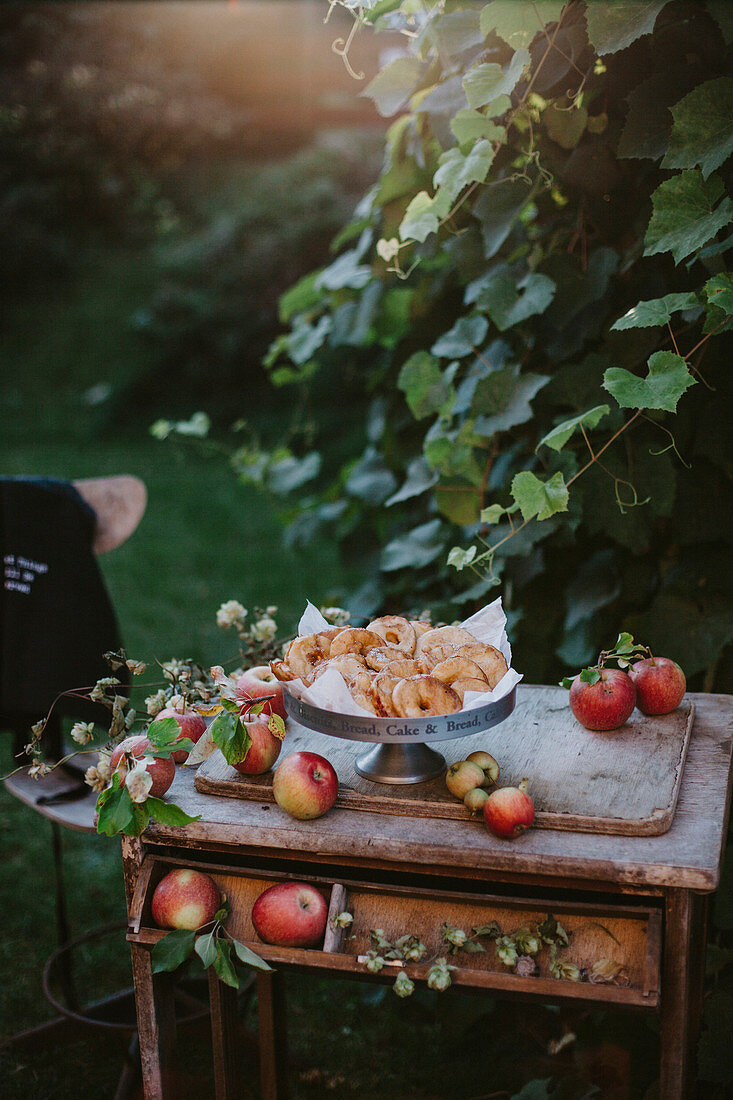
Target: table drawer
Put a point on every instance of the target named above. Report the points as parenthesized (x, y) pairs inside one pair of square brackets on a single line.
[(628, 936)]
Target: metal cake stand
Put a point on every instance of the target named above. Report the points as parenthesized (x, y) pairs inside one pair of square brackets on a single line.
[(401, 752)]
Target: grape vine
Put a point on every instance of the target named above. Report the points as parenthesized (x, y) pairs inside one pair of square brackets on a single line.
[(533, 303)]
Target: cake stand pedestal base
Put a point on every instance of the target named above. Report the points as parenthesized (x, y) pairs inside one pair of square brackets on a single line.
[(400, 763)]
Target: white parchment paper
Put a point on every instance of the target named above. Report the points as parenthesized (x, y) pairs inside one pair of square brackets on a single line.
[(330, 692)]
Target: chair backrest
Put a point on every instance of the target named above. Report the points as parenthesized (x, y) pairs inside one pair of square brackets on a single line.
[(56, 616)]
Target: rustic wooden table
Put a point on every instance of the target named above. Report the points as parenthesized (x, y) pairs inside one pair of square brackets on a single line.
[(410, 873)]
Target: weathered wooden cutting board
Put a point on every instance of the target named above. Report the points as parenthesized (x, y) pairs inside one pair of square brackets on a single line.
[(626, 781)]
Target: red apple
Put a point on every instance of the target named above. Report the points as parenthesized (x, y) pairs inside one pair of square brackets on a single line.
[(660, 684), (264, 750), (185, 898), (162, 770), (305, 785), (258, 681), (290, 914), (606, 704), (508, 811), (192, 726)]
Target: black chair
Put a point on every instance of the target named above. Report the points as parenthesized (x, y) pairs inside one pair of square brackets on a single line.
[(56, 622)]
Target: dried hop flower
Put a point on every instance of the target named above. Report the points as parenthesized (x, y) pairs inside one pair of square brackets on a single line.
[(231, 613), (403, 987), (82, 732), (154, 704), (264, 630)]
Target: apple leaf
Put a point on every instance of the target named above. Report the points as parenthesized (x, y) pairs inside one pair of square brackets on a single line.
[(162, 732), (276, 726), (540, 499), (205, 948), (558, 437), (223, 964), (167, 813), (248, 957), (115, 810), (201, 751), (162, 752), (231, 736), (667, 380), (172, 950)]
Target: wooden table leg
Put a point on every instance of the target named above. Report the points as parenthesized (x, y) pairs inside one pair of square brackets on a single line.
[(225, 1039), (680, 989), (272, 1030), (156, 1024)]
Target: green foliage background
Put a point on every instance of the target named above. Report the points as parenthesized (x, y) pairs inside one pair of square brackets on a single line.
[(535, 291)]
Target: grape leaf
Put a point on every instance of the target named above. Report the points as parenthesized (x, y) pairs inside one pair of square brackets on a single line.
[(394, 84), (423, 383), (685, 215), (455, 32), (467, 333), (666, 381), (565, 125), (231, 737), (502, 400), (558, 437), (518, 21), (172, 950), (415, 549), (719, 292), (487, 81), (460, 558), (458, 503), (371, 479), (497, 208), (702, 133), (419, 479), (656, 311), (304, 338), (614, 25), (422, 218), (539, 498), (456, 170), (469, 126), (509, 302)]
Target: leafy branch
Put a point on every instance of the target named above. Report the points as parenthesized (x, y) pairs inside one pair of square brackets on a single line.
[(213, 944)]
